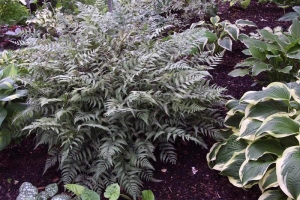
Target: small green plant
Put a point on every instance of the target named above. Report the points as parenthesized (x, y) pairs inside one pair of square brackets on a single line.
[(272, 51), (221, 33), (10, 93), (263, 147), (112, 192), (12, 12)]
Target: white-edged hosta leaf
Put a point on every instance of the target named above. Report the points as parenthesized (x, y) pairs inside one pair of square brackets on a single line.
[(275, 91), (231, 168), (233, 121), (253, 170), (235, 106), (239, 72), (7, 84), (211, 156), (297, 9), (225, 43), (233, 31), (264, 109), (227, 151), (273, 195), (278, 125), (248, 128), (268, 180), (243, 22), (215, 20), (295, 91), (288, 173), (261, 147)]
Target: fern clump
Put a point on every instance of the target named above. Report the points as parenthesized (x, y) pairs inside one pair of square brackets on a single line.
[(104, 95)]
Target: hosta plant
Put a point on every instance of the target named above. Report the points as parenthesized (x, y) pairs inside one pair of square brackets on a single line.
[(104, 95), (272, 51), (263, 147), (291, 15), (222, 33), (10, 94)]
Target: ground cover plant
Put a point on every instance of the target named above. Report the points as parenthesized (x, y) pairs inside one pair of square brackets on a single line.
[(192, 170)]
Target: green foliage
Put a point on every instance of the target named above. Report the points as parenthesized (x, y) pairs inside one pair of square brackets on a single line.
[(243, 3), (264, 145), (272, 51), (104, 95), (112, 192), (221, 33), (291, 15), (9, 98), (82, 192), (12, 12)]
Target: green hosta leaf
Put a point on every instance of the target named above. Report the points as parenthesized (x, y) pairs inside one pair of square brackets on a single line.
[(3, 114), (269, 180), (10, 70), (215, 20), (225, 43), (262, 110), (233, 31), (259, 67), (295, 91), (273, 195), (264, 146), (231, 168), (275, 91), (278, 125), (227, 151), (5, 138), (16, 95), (235, 106), (297, 9), (251, 42), (239, 72), (242, 23), (257, 53), (288, 173), (267, 35), (147, 195), (212, 154), (295, 28), (286, 70), (112, 192), (289, 16), (7, 84), (76, 189), (248, 128), (212, 37), (245, 3), (253, 171), (89, 195), (51, 189), (234, 120)]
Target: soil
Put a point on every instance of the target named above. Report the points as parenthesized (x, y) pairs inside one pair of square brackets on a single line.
[(21, 162)]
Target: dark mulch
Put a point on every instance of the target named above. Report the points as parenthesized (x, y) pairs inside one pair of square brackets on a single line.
[(20, 163)]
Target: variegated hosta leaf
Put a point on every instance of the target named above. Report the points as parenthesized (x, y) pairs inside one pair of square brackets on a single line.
[(288, 173), (7, 84), (233, 121), (233, 31), (225, 43), (227, 151), (261, 147), (251, 172), (211, 156), (231, 168), (275, 91), (262, 110), (215, 20), (248, 128), (278, 126), (273, 195), (235, 106), (295, 91), (268, 180), (242, 23), (16, 95)]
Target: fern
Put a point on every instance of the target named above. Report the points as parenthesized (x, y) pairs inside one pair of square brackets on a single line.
[(104, 94)]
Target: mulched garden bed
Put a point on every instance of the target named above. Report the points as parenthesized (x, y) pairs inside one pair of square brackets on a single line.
[(21, 162)]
